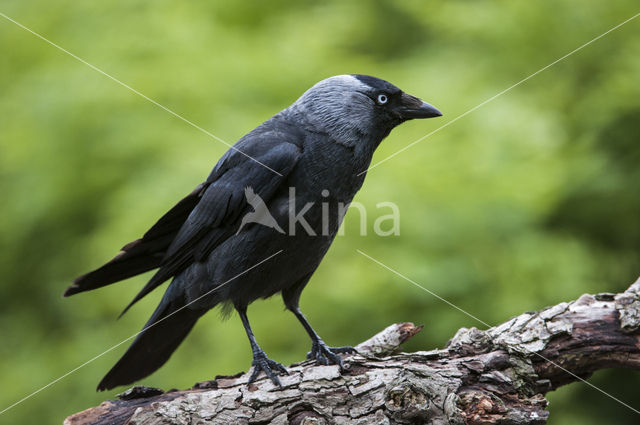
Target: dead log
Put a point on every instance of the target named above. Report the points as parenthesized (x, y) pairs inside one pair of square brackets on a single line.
[(496, 376)]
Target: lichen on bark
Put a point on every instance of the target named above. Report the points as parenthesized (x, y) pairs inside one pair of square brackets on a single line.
[(494, 376)]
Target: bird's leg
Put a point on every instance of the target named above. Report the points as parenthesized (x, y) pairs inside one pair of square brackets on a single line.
[(321, 352), (260, 360)]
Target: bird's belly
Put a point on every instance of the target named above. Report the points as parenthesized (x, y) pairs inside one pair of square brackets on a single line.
[(256, 263), (262, 259)]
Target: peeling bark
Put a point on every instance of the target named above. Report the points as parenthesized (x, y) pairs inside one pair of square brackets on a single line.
[(497, 376)]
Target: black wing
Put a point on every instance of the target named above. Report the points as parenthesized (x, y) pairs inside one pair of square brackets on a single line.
[(216, 215), (143, 254)]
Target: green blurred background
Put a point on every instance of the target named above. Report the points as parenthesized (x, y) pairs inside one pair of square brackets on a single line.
[(531, 200)]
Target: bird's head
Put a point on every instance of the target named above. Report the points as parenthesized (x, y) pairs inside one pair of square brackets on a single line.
[(355, 105)]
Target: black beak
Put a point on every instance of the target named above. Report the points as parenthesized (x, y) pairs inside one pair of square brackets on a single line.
[(411, 107)]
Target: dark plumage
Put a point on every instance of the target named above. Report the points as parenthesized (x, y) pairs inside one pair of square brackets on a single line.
[(323, 142)]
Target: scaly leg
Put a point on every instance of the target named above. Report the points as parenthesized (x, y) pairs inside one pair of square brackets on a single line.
[(320, 351), (260, 360)]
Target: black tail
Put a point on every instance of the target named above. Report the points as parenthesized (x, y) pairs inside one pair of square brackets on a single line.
[(143, 254), (160, 337)]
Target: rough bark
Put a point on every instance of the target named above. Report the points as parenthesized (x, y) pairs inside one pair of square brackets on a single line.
[(497, 376)]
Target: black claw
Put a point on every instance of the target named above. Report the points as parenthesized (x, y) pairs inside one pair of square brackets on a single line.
[(262, 363), (346, 350), (326, 355)]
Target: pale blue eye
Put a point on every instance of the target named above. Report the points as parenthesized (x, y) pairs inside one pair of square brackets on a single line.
[(382, 99)]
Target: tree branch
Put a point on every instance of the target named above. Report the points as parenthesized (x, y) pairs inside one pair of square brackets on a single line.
[(497, 376)]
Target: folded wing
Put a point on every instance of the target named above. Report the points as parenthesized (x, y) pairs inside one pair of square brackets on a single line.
[(202, 220)]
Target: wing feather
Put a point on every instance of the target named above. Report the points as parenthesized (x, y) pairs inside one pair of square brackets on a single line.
[(217, 213)]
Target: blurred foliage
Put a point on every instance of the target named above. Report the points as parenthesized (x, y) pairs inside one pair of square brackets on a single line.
[(528, 201)]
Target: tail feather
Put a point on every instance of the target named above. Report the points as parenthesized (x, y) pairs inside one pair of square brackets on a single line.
[(160, 337)]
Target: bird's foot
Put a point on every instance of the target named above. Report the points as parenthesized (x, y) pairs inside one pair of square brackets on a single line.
[(262, 363), (325, 355)]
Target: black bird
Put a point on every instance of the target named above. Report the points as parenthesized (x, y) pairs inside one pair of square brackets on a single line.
[(315, 152)]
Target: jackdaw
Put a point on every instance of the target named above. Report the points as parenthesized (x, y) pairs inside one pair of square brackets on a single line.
[(312, 154)]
